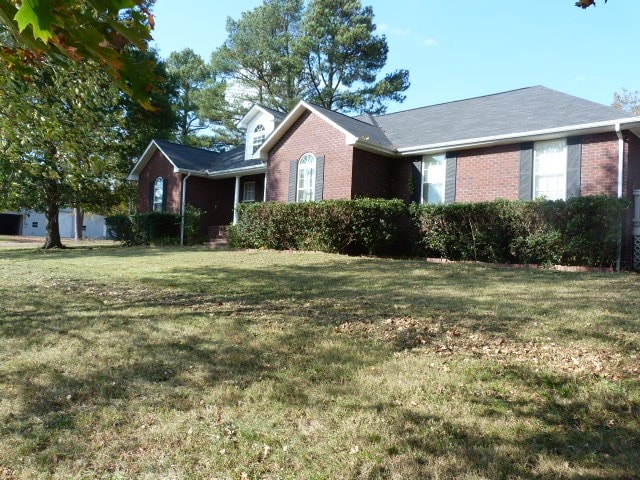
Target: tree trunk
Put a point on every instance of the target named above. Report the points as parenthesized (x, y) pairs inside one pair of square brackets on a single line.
[(51, 213), (79, 219)]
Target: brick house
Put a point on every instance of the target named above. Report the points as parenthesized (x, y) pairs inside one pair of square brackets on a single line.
[(520, 144)]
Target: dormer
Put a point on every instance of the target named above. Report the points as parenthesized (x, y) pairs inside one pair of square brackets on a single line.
[(258, 123)]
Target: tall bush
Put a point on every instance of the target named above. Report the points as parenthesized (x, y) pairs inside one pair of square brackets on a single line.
[(151, 228), (580, 231), (337, 226)]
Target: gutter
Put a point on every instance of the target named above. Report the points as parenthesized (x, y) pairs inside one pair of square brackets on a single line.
[(232, 173), (521, 136), (184, 207)]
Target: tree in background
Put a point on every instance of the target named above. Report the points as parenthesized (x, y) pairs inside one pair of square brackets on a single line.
[(343, 56), (627, 101), (197, 93), (587, 3), (141, 125), (324, 51), (260, 59)]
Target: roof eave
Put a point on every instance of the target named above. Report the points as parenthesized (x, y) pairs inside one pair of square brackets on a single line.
[(374, 148), (583, 129), (233, 172)]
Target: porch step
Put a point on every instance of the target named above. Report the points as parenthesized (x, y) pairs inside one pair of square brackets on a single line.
[(218, 237), (217, 243)]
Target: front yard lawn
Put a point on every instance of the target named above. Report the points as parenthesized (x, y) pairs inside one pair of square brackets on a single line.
[(187, 363)]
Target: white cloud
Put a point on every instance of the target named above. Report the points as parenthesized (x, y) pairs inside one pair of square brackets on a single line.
[(430, 42)]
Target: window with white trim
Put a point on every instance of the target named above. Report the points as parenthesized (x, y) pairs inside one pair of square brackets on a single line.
[(158, 194), (258, 137), (249, 192), (306, 187), (550, 169), (434, 174)]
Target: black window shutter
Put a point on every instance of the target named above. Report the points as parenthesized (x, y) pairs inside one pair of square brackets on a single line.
[(416, 181), (319, 178), (574, 166), (151, 191), (293, 181), (526, 171), (450, 182), (164, 194)]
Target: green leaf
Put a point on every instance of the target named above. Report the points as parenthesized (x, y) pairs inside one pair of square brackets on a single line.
[(36, 13)]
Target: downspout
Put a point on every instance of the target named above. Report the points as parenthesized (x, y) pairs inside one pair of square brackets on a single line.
[(184, 207), (264, 187), (620, 188), (236, 201)]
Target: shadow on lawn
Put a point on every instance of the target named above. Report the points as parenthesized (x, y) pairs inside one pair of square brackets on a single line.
[(145, 362), (557, 434)]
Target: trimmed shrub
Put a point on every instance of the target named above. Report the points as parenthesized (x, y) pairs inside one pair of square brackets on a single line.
[(120, 228), (157, 228), (580, 231), (337, 226), (151, 228), (193, 225)]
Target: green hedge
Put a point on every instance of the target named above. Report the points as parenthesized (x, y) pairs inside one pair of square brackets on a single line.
[(337, 226), (580, 231), (154, 228)]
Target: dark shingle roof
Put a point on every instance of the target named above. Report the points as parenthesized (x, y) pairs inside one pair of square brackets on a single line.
[(362, 127), (205, 161), (517, 111)]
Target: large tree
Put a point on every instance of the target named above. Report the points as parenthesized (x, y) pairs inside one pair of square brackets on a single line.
[(60, 132), (324, 51)]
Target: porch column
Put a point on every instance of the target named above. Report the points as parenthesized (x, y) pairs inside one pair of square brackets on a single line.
[(236, 201), (636, 229)]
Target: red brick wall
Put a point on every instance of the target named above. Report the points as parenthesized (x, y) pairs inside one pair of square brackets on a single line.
[(600, 164), (488, 174), (377, 176), (311, 134), (159, 166)]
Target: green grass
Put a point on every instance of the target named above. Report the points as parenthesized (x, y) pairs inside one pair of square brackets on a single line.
[(187, 363)]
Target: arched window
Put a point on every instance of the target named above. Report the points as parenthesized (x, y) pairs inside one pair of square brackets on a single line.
[(158, 195), (258, 137), (306, 178)]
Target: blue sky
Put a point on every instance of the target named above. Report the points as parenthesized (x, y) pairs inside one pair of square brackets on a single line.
[(466, 48)]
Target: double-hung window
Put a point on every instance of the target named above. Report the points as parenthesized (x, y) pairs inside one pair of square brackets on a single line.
[(434, 173), (249, 193), (306, 178), (550, 169)]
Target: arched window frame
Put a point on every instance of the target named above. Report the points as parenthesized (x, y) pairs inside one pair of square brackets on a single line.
[(306, 184), (258, 137), (158, 195)]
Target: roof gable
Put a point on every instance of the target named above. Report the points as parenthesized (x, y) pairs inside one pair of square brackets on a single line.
[(355, 130)]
